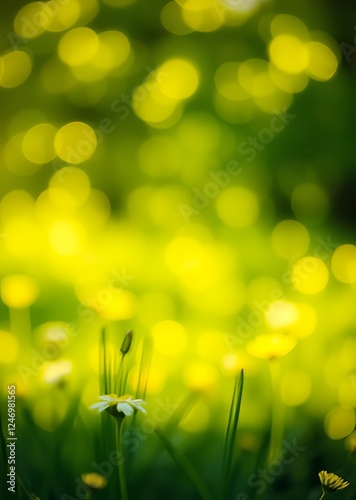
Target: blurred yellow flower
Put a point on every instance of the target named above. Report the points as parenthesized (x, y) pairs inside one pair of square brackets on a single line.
[(270, 346), (94, 481), (18, 291)]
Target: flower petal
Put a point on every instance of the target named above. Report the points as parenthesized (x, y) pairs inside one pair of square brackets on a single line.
[(125, 408)]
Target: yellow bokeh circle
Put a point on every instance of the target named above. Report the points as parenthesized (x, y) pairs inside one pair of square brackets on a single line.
[(343, 264), (289, 54), (290, 239), (78, 46), (15, 68), (309, 275), (19, 291), (322, 62), (75, 142), (179, 78), (237, 207), (339, 422), (38, 143), (169, 337)]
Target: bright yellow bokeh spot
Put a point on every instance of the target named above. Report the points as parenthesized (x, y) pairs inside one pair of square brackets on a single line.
[(23, 237), (237, 207), (67, 237), (53, 372), (15, 203), (285, 24), (197, 419), (254, 77), (211, 346), (292, 83), (290, 239), (19, 291), (270, 346), (347, 392), (78, 46), (296, 388), (94, 481), (75, 142), (15, 68), (200, 376), (289, 54), (306, 322), (167, 163), (206, 19), (310, 202), (230, 363), (280, 315), (30, 21), (60, 16), (117, 306), (179, 79), (170, 337), (38, 143), (227, 83), (343, 264), (172, 20), (339, 422), (69, 188), (114, 49), (309, 275), (9, 347), (323, 63), (153, 107)]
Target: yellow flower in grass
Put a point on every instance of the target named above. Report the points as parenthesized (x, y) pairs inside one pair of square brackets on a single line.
[(94, 481), (119, 404), (271, 345), (331, 482)]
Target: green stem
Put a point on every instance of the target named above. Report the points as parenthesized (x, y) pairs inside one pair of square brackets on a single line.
[(277, 423), (121, 459), (323, 495)]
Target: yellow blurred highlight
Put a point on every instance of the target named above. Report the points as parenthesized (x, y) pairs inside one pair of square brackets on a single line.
[(23, 237), (19, 291), (270, 346), (322, 63), (180, 79), (62, 16), (117, 307), (15, 68), (38, 143), (157, 378), (170, 337), (75, 142), (200, 376), (89, 9), (14, 158), (292, 83), (167, 163), (343, 264), (230, 364), (114, 49), (67, 237), (197, 419), (254, 77), (94, 481), (172, 19), (309, 202), (227, 83), (285, 24), (70, 188), (30, 21), (53, 372), (237, 207), (309, 275), (9, 348), (347, 392), (295, 388), (339, 422), (209, 17), (16, 203), (224, 298), (306, 322), (290, 239), (78, 46), (153, 107), (289, 54), (280, 315)]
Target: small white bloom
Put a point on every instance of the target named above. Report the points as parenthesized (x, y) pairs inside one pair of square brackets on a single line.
[(124, 404)]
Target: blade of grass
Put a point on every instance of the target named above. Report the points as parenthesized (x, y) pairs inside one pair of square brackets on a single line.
[(186, 466), (145, 364), (230, 437)]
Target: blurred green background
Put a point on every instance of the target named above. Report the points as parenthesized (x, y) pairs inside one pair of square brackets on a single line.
[(184, 169)]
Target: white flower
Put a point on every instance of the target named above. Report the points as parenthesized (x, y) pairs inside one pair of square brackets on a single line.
[(124, 404)]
